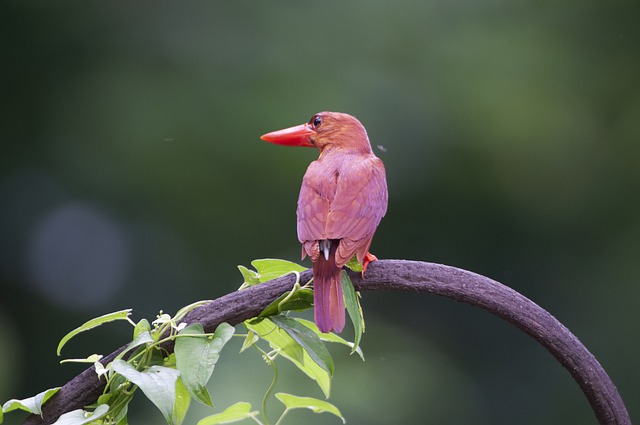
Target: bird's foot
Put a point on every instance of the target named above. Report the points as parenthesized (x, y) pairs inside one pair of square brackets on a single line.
[(368, 258)]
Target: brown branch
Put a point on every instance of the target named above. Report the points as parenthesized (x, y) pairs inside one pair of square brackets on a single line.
[(397, 275)]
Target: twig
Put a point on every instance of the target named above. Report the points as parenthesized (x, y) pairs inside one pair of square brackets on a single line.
[(396, 275)]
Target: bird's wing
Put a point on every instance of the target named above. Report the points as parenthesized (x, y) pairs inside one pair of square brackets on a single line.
[(347, 205), (313, 208), (359, 204)]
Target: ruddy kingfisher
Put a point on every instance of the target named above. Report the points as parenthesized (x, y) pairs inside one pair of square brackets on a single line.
[(342, 200)]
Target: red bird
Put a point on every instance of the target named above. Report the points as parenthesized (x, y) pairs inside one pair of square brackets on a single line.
[(342, 200)]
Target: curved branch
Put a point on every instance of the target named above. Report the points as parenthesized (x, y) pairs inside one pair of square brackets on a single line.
[(396, 275)]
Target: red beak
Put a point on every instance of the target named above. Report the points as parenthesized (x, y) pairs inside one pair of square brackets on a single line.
[(292, 136)]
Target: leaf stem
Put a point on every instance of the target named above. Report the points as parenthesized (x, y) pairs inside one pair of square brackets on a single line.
[(272, 363), (256, 420), (282, 416)]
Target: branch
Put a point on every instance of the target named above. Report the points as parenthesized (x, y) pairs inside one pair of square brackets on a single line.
[(396, 275)]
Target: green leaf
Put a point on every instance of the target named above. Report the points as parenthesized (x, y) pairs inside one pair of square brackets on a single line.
[(354, 264), (308, 339), (80, 417), (277, 338), (251, 339), (317, 406), (224, 332), (32, 404), (288, 348), (142, 326), (352, 303), (271, 268), (1, 415), (158, 383), (331, 337), (143, 338), (197, 355), (169, 361), (181, 405), (234, 413), (301, 299), (250, 277), (105, 398), (118, 315)]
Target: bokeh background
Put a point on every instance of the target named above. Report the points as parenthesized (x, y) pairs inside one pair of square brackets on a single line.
[(132, 176)]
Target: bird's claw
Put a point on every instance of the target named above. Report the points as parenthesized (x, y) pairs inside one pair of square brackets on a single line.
[(368, 258)]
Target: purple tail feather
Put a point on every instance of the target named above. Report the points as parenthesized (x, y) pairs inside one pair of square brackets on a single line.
[(328, 301)]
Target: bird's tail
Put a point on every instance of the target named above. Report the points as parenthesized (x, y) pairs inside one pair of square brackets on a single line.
[(328, 301)]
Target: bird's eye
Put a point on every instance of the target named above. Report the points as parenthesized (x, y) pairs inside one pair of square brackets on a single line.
[(316, 120)]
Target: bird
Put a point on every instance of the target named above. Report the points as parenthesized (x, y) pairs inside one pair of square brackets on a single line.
[(342, 200)]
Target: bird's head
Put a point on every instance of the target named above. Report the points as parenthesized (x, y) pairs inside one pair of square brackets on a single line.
[(325, 131)]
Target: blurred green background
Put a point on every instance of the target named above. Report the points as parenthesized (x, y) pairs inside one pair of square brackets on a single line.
[(132, 175)]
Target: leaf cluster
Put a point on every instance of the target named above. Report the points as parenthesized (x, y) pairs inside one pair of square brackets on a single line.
[(170, 380)]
